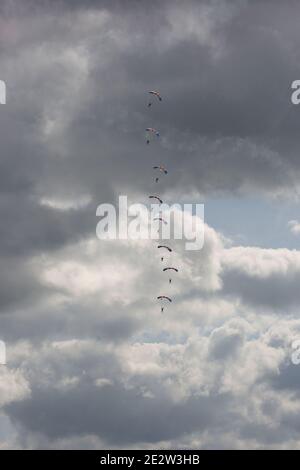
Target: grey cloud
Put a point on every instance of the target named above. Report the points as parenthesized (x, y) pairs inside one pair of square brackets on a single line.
[(279, 293), (113, 413), (224, 343)]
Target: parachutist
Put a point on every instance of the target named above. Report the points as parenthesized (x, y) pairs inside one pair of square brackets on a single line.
[(162, 309), (161, 259), (156, 180), (170, 280)]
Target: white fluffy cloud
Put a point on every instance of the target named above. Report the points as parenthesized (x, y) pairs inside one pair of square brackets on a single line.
[(294, 227)]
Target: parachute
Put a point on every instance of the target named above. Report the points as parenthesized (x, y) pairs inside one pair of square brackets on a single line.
[(151, 133), (166, 248), (156, 197), (163, 297), (154, 93), (170, 269)]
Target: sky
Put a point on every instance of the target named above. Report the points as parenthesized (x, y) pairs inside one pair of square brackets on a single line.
[(91, 361)]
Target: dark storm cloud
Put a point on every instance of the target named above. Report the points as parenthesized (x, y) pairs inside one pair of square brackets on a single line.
[(236, 103), (107, 324), (19, 285), (109, 412)]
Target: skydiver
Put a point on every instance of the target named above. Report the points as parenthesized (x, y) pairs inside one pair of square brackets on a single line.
[(148, 141), (162, 258), (156, 180), (162, 309), (170, 280)]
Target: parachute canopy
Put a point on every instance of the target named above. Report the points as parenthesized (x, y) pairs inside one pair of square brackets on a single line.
[(170, 269), (152, 130), (166, 247), (164, 297), (155, 93), (161, 168), (156, 197)]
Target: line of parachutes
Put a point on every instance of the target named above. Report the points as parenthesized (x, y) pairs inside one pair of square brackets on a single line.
[(153, 134)]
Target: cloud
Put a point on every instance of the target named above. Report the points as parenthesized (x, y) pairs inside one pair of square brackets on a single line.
[(263, 277), (90, 357), (294, 227)]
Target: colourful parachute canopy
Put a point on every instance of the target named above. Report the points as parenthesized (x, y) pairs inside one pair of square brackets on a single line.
[(161, 220), (161, 168), (166, 247), (168, 269), (156, 197), (164, 297), (152, 130), (155, 93)]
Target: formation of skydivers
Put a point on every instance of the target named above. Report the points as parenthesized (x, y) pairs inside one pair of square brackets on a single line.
[(152, 134)]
